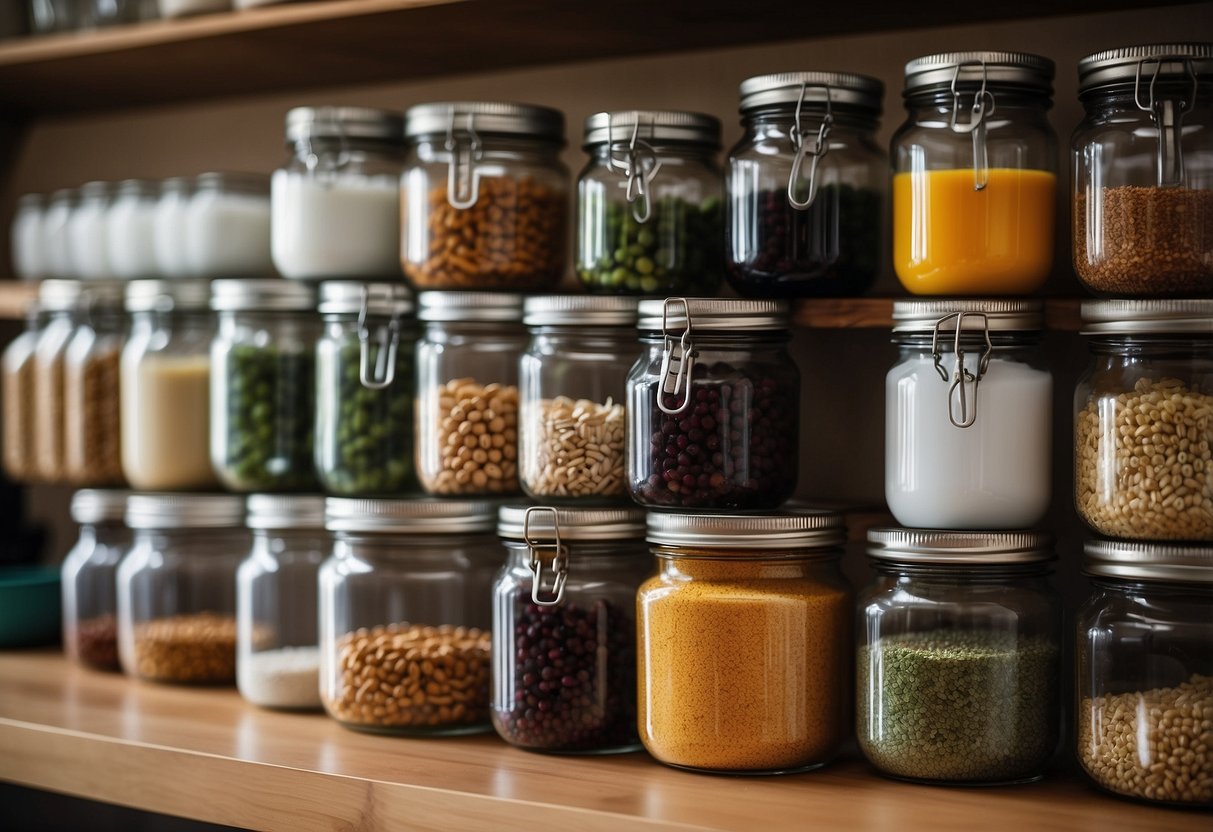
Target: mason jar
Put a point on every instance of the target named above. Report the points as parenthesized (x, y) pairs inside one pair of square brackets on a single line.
[(467, 392), (1143, 429), (1143, 171), (88, 578), (364, 389), (277, 617), (973, 449), (713, 406), (484, 196), (17, 381), (959, 656), (336, 202), (169, 227), (975, 175), (59, 299), (88, 232), (92, 440), (56, 242), (227, 226), (1144, 672), (806, 185), (572, 387), (177, 588), (129, 237), (25, 240), (564, 628), (744, 640), (405, 615)]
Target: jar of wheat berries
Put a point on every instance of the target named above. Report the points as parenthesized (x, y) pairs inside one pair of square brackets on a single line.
[(59, 299), (92, 446)]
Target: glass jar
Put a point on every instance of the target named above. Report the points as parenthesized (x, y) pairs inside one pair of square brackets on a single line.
[(88, 579), (484, 196), (744, 640), (1143, 171), (959, 656), (58, 298), (564, 645), (405, 611), (169, 226), (467, 392), (56, 242), (164, 383), (336, 203), (227, 226), (92, 446), (724, 432), (25, 241), (649, 213), (20, 427), (278, 632), (263, 388), (975, 175), (88, 232), (130, 230), (177, 588), (973, 452), (1144, 665), (571, 390), (1143, 430), (806, 185)]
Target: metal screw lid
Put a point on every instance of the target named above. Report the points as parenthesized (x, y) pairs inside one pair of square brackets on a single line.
[(103, 294), (168, 295), (344, 123), (30, 201), (58, 295), (270, 295), (845, 89), (92, 505), (345, 297), (1110, 68), (469, 306), (1134, 317), (1175, 562), (421, 516), (574, 523), (652, 126), (176, 185), (1002, 315), (251, 184), (137, 188), (793, 528), (96, 190), (590, 310), (190, 511), (715, 314), (1002, 69), (485, 117), (62, 195), (285, 511), (935, 546)]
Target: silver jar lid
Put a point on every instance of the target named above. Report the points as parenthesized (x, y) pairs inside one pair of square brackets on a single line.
[(346, 297), (102, 294), (536, 523), (237, 182), (188, 511), (586, 310), (67, 195), (96, 190), (176, 185), (138, 188), (420, 516), (789, 529), (469, 306), (263, 295), (285, 511), (1142, 317), (484, 117), (344, 123), (784, 89), (1175, 562), (652, 126), (58, 295), (1001, 69), (94, 505), (713, 314), (1110, 68), (1000, 315), (934, 546), (168, 295)]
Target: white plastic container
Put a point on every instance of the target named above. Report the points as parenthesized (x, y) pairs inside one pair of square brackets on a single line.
[(169, 237), (130, 230), (227, 226), (29, 259), (56, 246), (87, 231), (185, 8)]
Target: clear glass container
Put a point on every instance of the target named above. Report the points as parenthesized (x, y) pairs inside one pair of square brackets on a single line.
[(47, 16), (277, 613), (170, 227), (1143, 427), (17, 382), (564, 643), (177, 588), (713, 406), (484, 197), (959, 656), (572, 387), (25, 237), (263, 388), (88, 232), (59, 299), (89, 579), (807, 186), (336, 203), (975, 175), (1144, 666), (117, 12), (56, 242), (164, 381), (405, 614), (130, 230), (1143, 171), (227, 226), (467, 393), (92, 443), (744, 640), (186, 8), (364, 395), (973, 449)]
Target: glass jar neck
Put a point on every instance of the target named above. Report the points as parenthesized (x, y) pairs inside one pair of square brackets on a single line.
[(764, 339), (1024, 102), (946, 342), (208, 541), (439, 331), (1152, 346), (619, 336), (1136, 587), (306, 147), (1122, 98), (779, 120), (522, 148), (404, 548), (598, 554), (604, 152), (963, 574)]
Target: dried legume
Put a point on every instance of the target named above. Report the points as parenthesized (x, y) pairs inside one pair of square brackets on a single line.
[(198, 648), (477, 437), (573, 448), (97, 642)]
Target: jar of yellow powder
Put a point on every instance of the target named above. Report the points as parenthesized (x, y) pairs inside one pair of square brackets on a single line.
[(744, 642)]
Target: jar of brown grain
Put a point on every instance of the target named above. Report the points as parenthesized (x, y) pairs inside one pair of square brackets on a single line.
[(92, 450), (58, 299)]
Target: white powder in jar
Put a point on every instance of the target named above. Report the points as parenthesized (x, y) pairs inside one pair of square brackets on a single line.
[(288, 677)]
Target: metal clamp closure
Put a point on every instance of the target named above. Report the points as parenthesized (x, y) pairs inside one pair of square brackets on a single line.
[(311, 157), (819, 148), (639, 165), (677, 361), (463, 175), (384, 372), (961, 377), (983, 107), (1167, 114), (559, 558)]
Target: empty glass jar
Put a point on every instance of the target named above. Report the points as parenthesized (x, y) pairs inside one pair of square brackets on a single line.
[(58, 298), (90, 593), (92, 441)]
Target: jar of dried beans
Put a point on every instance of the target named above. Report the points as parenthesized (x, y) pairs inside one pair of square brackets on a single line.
[(484, 197), (713, 406), (1143, 430), (92, 439), (20, 427), (564, 628), (58, 298), (572, 381), (405, 612), (1144, 672), (90, 593), (1143, 171)]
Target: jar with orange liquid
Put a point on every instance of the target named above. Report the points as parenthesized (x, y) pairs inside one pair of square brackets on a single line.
[(975, 175)]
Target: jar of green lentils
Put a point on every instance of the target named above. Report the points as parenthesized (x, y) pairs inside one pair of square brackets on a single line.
[(958, 654)]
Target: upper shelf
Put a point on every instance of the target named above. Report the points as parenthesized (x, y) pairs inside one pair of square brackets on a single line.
[(338, 42)]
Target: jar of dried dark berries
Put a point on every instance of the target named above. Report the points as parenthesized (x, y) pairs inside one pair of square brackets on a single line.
[(90, 594), (564, 628), (806, 184), (713, 406)]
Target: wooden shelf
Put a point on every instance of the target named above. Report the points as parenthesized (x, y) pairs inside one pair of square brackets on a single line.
[(206, 754), (344, 42), (15, 296), (1061, 314)]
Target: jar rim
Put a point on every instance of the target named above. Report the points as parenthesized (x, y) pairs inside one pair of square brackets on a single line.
[(617, 127), (95, 505), (346, 297), (185, 511), (1142, 317), (267, 295), (484, 117), (1000, 71), (712, 314), (304, 512), (996, 315), (1119, 67), (1185, 563), (785, 89), (525, 523), (417, 516), (795, 527), (588, 310)]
